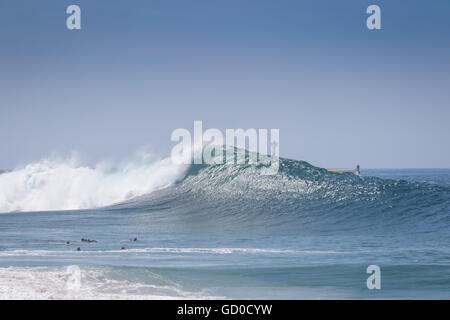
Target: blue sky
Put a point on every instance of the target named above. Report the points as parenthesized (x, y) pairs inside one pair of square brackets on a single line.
[(339, 93)]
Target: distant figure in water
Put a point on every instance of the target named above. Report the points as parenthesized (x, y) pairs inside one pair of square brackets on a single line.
[(133, 239), (87, 240), (78, 249), (123, 248), (67, 243)]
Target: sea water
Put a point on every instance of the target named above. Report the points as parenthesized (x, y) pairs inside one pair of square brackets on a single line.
[(207, 232)]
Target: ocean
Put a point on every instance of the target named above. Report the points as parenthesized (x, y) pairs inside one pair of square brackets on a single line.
[(222, 231)]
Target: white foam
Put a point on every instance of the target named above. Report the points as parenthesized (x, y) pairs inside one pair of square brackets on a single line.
[(73, 282), (152, 250), (210, 250), (66, 185)]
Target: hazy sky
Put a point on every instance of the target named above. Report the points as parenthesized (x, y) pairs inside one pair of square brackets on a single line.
[(339, 93)]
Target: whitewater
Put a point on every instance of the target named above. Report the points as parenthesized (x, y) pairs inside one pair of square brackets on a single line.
[(66, 185)]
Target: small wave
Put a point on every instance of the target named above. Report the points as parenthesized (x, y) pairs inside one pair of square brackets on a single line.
[(206, 250), (150, 250)]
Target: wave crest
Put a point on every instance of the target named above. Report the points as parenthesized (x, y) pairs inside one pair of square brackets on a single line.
[(65, 185)]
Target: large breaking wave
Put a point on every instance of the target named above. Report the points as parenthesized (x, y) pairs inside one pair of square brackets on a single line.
[(230, 195)]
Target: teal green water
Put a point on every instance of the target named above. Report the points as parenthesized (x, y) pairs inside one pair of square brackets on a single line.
[(227, 231)]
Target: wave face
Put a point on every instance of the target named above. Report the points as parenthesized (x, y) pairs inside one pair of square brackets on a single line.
[(300, 197)]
